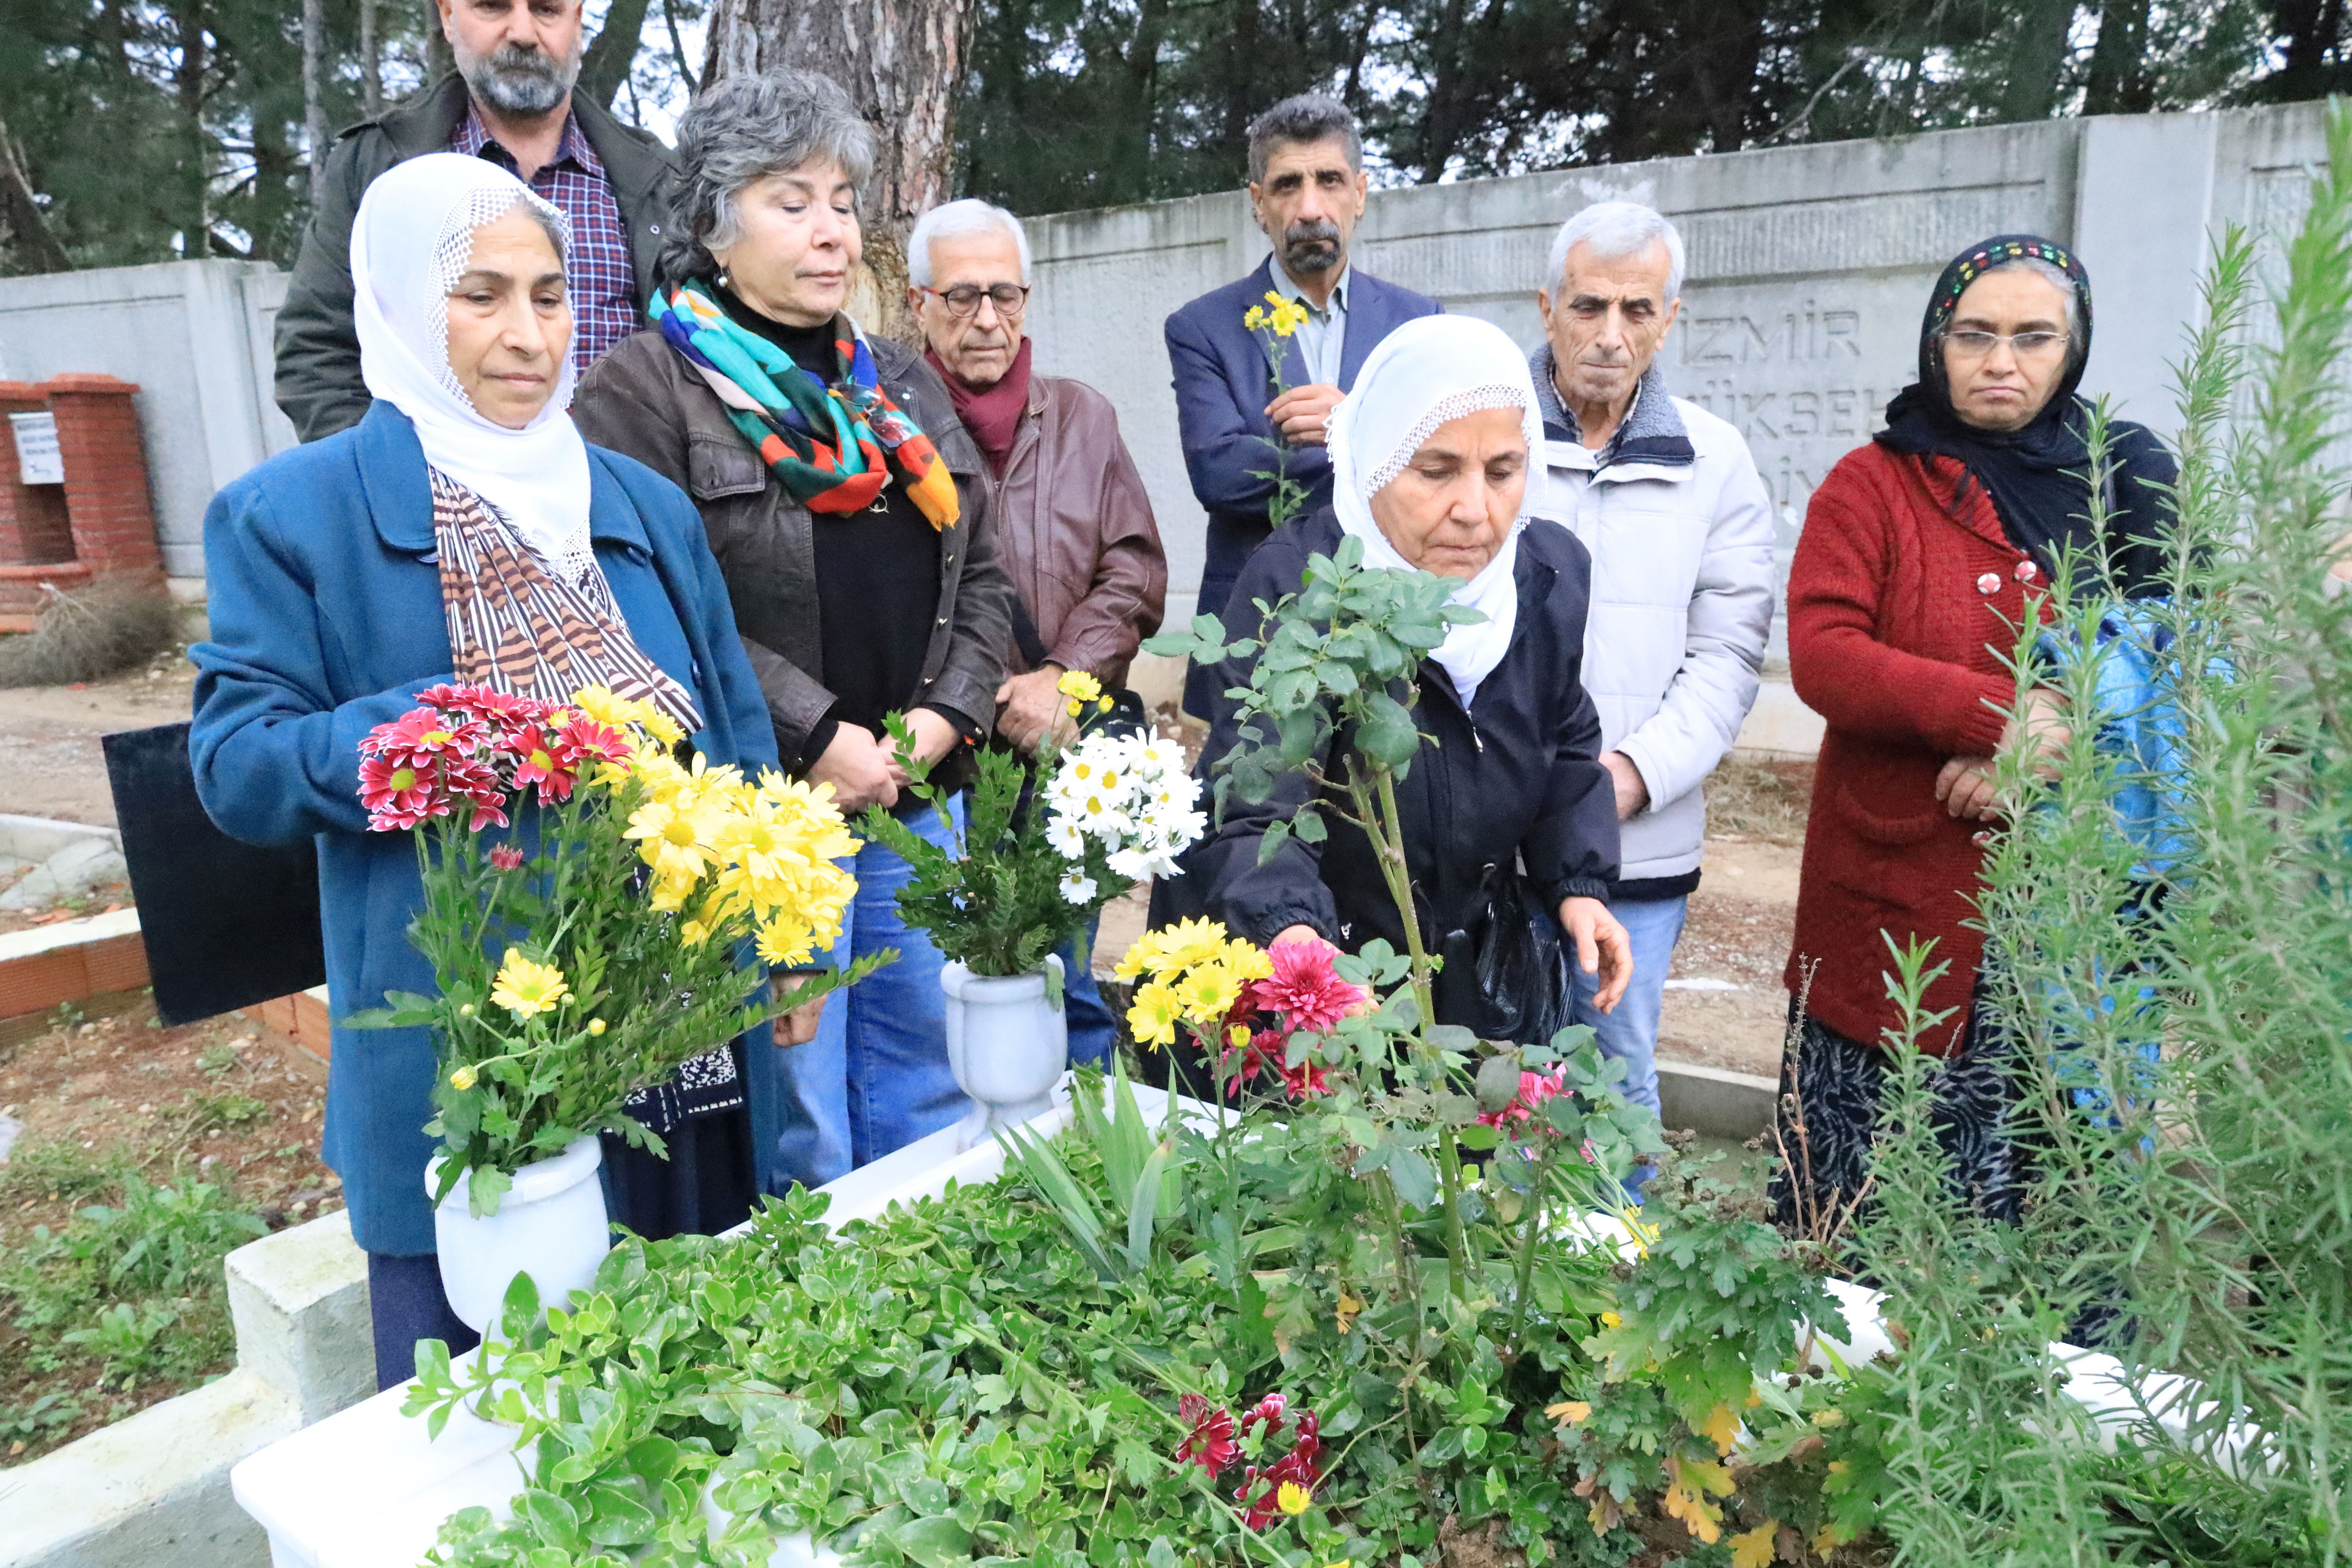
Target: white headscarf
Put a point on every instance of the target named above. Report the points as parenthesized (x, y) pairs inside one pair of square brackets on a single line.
[(1425, 374), (410, 244)]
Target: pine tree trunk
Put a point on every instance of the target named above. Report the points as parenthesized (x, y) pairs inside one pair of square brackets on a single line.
[(33, 249), (900, 61), (370, 63), (612, 53), (314, 107), (188, 88)]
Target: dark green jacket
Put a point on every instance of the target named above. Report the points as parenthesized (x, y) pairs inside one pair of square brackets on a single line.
[(319, 381)]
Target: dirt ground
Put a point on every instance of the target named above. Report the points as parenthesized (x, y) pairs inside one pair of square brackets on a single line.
[(50, 760), (1724, 1006)]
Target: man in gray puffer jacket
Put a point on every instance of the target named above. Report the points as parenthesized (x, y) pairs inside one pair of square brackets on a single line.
[(1667, 500)]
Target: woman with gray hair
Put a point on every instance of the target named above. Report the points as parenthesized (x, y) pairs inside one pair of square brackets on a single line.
[(851, 519)]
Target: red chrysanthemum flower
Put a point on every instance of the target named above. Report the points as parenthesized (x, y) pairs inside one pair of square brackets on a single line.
[(1210, 1443), (584, 739), (1268, 1410), (399, 794), (1261, 1489), (1303, 1081), (506, 858), (501, 710), (476, 784), (421, 735), (537, 762), (1534, 1090), (1304, 989)]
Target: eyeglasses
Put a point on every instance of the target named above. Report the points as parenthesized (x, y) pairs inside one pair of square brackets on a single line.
[(964, 299), (2027, 345)]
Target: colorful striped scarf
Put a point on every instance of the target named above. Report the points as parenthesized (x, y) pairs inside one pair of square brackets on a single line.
[(834, 445)]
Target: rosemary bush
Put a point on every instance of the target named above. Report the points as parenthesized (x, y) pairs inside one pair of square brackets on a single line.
[(2170, 965)]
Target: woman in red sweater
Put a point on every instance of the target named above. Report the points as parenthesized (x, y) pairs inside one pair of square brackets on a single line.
[(1922, 554)]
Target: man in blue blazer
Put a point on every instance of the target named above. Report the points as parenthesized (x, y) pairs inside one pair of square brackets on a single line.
[(1306, 187)]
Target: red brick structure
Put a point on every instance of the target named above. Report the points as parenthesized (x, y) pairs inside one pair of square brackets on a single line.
[(100, 522)]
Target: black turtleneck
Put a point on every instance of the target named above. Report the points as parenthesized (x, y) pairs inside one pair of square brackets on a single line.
[(878, 575)]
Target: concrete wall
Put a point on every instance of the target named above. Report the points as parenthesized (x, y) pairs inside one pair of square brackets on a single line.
[(195, 336), (1809, 270)]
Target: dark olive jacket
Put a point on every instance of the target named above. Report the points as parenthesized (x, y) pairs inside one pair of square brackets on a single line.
[(318, 384), (642, 399), (1514, 779)]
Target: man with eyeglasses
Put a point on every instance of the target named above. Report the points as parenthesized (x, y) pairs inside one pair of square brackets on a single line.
[(1241, 415), (1074, 525)]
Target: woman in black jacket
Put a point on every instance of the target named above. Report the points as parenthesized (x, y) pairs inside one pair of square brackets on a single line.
[(1433, 455)]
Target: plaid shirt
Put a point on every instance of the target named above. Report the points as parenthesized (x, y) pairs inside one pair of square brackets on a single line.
[(602, 279)]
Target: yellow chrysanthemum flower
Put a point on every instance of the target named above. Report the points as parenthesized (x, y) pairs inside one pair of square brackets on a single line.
[(607, 706), (1246, 961), (1291, 1498), (678, 836), (525, 988), (1156, 1012), (1079, 685), (1141, 958), (462, 1079), (1188, 943), (1208, 992)]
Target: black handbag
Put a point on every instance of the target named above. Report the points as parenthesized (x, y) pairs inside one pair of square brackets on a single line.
[(1506, 974), (1126, 714)]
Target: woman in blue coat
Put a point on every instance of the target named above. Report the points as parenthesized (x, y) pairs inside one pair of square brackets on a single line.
[(462, 531)]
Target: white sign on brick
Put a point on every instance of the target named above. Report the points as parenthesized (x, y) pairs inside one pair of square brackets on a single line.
[(38, 462)]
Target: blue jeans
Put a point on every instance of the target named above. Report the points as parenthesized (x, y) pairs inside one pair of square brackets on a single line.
[(876, 1077), (1094, 1034), (1630, 1035)]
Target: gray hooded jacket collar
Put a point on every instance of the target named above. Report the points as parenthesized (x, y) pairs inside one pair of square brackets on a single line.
[(1651, 431)]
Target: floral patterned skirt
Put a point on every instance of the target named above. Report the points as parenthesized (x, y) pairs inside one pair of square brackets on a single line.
[(1830, 1091)]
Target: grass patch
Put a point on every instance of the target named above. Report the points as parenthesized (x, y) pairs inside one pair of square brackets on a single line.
[(126, 1296)]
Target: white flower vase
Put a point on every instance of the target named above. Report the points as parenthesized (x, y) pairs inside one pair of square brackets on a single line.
[(551, 1225), (1007, 1045)]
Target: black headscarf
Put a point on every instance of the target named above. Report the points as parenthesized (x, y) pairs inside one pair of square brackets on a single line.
[(2039, 478)]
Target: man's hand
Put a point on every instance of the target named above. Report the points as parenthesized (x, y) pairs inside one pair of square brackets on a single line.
[(859, 769), (797, 1027), (1029, 709), (935, 736), (1632, 794), (1296, 933), (1966, 789), (1602, 948), (1303, 415)]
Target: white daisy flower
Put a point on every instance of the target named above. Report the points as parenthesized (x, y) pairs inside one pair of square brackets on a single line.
[(1077, 887)]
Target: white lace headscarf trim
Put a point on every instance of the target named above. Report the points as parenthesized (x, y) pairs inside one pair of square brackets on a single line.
[(1424, 374), (410, 243)]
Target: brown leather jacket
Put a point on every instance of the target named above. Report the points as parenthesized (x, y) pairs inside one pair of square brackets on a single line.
[(1075, 533), (642, 400)]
